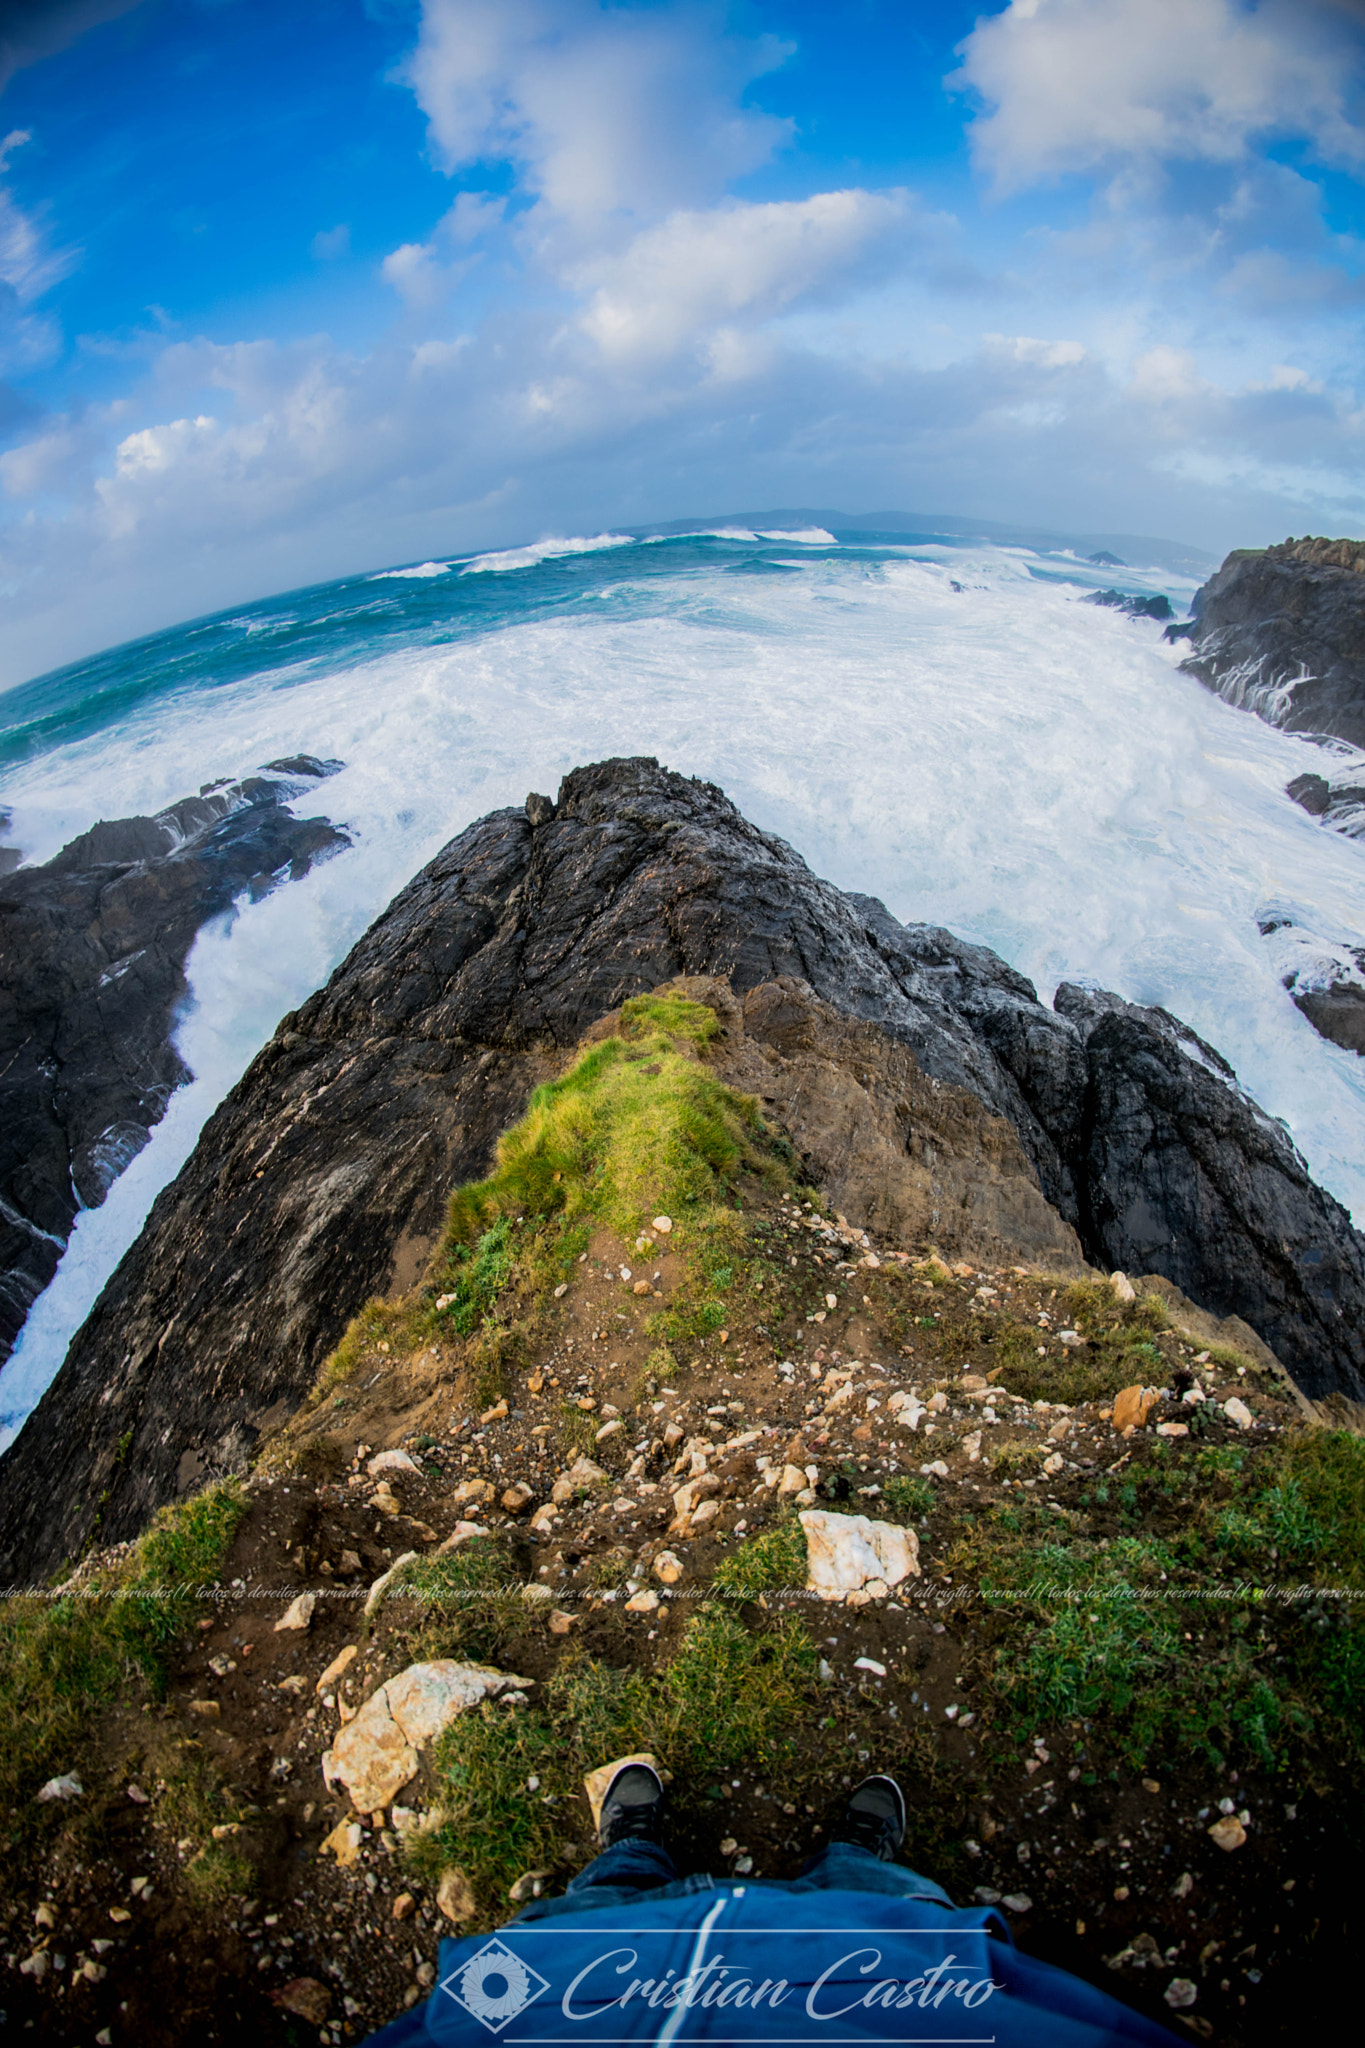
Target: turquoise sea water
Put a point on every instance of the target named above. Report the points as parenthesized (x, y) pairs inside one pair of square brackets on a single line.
[(942, 725)]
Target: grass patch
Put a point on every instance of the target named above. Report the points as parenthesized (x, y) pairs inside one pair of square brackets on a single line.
[(1119, 1633), (725, 1701), (63, 1659), (908, 1497), (771, 1563)]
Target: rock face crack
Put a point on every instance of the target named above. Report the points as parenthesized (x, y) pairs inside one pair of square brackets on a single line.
[(1096, 1121)]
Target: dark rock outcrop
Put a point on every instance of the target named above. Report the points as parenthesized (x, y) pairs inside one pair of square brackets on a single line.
[(1339, 805), (1281, 631), (321, 1178), (93, 946), (1157, 607), (1104, 560)]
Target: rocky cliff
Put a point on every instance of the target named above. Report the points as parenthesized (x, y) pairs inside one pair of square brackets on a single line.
[(1281, 631), (93, 945), (1096, 1126)]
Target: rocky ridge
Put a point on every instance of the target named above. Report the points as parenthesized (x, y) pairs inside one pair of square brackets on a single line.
[(1280, 631), (93, 945), (1095, 1130)]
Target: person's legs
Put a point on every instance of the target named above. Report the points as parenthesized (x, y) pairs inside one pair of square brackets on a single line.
[(637, 1865), (860, 1855), (633, 1860), (844, 1867)]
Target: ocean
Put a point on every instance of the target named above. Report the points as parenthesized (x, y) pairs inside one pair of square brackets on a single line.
[(943, 725)]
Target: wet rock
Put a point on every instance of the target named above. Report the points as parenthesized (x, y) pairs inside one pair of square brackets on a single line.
[(1281, 631), (1137, 607), (93, 946), (850, 1554)]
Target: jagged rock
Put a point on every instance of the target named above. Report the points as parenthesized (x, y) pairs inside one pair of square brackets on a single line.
[(68, 1786), (1097, 1127), (378, 1753), (848, 1554), (93, 946), (1136, 607), (1281, 632), (299, 1613), (1183, 1176)]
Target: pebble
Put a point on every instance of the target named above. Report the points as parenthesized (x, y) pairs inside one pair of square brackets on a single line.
[(68, 1786), (1180, 1993), (298, 1615)]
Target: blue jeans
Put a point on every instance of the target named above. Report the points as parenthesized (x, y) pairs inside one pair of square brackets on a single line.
[(634, 1870)]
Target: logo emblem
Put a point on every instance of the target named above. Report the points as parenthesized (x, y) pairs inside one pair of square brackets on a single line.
[(495, 1985)]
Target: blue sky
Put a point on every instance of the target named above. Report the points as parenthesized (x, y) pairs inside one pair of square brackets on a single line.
[(294, 289)]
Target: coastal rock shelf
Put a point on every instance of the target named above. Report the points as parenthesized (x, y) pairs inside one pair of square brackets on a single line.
[(1281, 631), (1097, 1128), (93, 946)]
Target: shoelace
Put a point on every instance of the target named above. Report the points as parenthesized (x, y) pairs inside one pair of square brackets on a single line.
[(622, 1820), (874, 1831)]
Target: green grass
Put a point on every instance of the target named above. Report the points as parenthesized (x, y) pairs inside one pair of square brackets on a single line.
[(771, 1563), (63, 1659), (727, 1699), (637, 1126), (1122, 1634), (469, 1601), (908, 1497)]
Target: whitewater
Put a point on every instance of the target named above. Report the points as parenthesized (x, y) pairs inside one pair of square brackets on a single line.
[(945, 726)]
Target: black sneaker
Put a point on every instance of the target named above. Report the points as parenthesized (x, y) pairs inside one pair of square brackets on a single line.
[(632, 1807), (873, 1818)]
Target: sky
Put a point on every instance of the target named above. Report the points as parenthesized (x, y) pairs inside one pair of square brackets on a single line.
[(291, 289)]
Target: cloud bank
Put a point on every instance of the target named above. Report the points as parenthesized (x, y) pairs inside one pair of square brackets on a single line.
[(610, 319)]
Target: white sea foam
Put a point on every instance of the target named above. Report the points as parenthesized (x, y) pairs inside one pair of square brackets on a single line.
[(812, 536), (544, 551), (404, 575), (1000, 758)]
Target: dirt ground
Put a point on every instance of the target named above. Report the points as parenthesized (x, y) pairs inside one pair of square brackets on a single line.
[(190, 1888)]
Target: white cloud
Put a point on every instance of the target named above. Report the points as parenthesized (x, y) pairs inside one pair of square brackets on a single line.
[(330, 243), (1047, 355), (602, 111), (1078, 85), (418, 275), (696, 271)]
